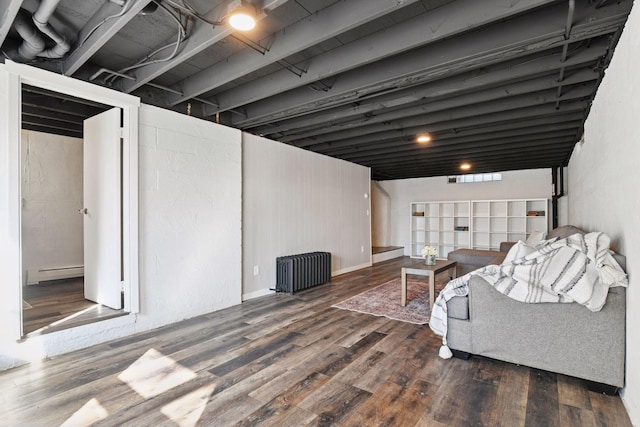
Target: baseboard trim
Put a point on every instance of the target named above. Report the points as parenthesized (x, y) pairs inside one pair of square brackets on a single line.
[(257, 294), (350, 269), (263, 292), (386, 256), (36, 276)]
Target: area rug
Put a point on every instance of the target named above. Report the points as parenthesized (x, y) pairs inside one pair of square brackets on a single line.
[(384, 300)]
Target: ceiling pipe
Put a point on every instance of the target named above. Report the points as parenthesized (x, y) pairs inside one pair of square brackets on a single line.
[(41, 19), (32, 30), (33, 42)]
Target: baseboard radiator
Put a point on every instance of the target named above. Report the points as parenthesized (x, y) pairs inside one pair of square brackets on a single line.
[(302, 271)]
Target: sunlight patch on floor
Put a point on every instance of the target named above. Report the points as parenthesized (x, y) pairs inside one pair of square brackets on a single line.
[(154, 373), (186, 411), (91, 412)]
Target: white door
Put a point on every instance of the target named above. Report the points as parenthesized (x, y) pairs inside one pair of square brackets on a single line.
[(102, 212)]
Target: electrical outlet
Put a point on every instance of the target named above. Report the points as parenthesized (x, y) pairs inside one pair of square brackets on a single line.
[(256, 270)]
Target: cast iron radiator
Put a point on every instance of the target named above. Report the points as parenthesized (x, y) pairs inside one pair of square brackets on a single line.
[(302, 271)]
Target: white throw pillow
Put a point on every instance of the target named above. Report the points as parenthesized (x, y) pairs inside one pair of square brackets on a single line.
[(517, 251), (535, 237)]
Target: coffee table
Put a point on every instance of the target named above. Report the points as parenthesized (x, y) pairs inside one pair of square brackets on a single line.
[(430, 271)]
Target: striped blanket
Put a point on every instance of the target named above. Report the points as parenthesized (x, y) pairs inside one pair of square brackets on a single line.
[(579, 268)]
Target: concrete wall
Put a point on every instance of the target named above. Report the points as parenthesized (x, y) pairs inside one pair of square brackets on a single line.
[(603, 182), (526, 184), (296, 201), (51, 196)]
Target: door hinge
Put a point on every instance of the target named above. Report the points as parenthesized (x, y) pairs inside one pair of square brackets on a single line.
[(122, 133)]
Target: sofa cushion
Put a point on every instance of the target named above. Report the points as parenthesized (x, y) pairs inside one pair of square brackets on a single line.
[(564, 231), (498, 259), (505, 246)]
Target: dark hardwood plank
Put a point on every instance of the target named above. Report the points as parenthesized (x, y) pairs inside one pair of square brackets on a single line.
[(542, 406), (285, 360)]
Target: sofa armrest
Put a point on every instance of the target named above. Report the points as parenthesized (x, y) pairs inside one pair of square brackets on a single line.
[(564, 338)]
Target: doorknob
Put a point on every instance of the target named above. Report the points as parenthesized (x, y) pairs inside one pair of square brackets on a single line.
[(83, 211)]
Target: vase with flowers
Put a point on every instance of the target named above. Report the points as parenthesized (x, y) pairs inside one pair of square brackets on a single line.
[(429, 254)]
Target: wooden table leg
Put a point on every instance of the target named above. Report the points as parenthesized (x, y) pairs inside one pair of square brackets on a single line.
[(403, 299)]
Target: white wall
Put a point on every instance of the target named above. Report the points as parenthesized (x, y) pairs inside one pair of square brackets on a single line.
[(190, 216), (296, 201), (189, 226), (526, 184), (51, 196), (603, 181), (380, 215)]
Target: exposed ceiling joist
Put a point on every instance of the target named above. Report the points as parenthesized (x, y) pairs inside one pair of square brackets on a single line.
[(496, 43), (102, 26), (202, 37), (503, 85), (475, 98), (445, 124), (327, 23), (443, 22), (393, 145), (495, 76), (456, 144), (8, 11), (473, 148), (492, 106)]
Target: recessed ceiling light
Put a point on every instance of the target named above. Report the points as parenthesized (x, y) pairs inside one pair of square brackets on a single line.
[(424, 138), (243, 18), (465, 166)]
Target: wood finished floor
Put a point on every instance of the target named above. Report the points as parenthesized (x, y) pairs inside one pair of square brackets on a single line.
[(285, 360), (60, 304)]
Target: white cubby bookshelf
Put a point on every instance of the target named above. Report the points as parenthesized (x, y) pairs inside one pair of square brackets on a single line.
[(496, 221), (477, 224), (443, 225)]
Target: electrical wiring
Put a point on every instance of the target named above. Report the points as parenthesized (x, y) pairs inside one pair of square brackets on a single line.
[(191, 11), (182, 35), (117, 15)]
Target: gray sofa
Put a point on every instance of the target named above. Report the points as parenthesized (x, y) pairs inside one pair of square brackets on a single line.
[(564, 338)]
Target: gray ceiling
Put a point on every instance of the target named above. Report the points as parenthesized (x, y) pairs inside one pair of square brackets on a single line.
[(501, 84)]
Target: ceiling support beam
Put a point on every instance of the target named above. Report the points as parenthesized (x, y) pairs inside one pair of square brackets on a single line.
[(501, 74), (323, 25), (514, 102), (100, 36), (443, 22), (202, 36), (496, 43), (8, 11)]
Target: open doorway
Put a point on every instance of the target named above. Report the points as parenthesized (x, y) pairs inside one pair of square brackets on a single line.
[(54, 186)]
